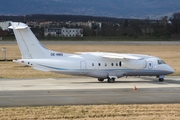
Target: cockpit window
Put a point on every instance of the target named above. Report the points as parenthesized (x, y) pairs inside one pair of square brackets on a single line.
[(161, 62)]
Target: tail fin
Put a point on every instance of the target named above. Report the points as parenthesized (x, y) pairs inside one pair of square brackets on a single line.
[(28, 44)]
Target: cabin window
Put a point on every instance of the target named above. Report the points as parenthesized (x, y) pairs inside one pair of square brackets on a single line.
[(92, 64), (161, 62), (112, 64), (99, 64), (150, 64), (116, 64), (120, 63)]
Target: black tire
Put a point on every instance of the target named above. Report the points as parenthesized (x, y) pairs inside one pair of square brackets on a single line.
[(111, 80), (161, 79), (100, 80)]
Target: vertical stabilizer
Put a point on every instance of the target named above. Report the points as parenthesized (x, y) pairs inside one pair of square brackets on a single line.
[(28, 44)]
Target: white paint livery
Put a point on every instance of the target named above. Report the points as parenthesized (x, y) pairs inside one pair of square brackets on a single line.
[(101, 65)]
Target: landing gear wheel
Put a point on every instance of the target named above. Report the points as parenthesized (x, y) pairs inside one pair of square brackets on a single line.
[(100, 80), (111, 80), (161, 79)]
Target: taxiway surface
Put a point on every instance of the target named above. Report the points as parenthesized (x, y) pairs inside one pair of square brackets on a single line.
[(75, 91)]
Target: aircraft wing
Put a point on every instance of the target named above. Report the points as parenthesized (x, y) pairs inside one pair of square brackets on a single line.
[(121, 56), (113, 55), (130, 61)]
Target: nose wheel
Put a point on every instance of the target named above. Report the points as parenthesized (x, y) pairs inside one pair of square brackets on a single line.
[(161, 79)]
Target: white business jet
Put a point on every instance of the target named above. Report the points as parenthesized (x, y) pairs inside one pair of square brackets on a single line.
[(100, 65)]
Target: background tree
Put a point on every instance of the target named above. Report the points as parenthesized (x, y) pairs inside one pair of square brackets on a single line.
[(175, 21)]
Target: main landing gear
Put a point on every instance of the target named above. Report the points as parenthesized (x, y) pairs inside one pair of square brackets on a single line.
[(109, 80), (100, 80)]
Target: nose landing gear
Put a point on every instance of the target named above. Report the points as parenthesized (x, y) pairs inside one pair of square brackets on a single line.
[(161, 78)]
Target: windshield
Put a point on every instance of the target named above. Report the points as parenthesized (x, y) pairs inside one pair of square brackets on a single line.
[(161, 62)]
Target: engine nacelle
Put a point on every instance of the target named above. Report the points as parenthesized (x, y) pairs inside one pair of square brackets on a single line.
[(134, 64)]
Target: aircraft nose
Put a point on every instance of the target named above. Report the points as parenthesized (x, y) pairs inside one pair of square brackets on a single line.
[(170, 70)]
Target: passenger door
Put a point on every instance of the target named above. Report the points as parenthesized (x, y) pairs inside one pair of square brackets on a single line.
[(83, 67)]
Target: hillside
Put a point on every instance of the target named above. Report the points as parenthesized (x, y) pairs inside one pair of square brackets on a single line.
[(108, 8)]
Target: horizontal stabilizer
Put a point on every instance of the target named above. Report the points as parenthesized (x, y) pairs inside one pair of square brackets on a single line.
[(18, 26)]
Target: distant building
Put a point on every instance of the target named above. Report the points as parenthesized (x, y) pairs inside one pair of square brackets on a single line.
[(72, 32), (4, 25), (67, 32), (97, 24), (52, 31)]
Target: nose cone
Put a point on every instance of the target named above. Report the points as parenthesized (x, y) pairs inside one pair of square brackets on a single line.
[(170, 70)]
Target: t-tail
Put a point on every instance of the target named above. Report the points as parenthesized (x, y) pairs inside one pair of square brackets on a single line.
[(28, 44), (30, 48)]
